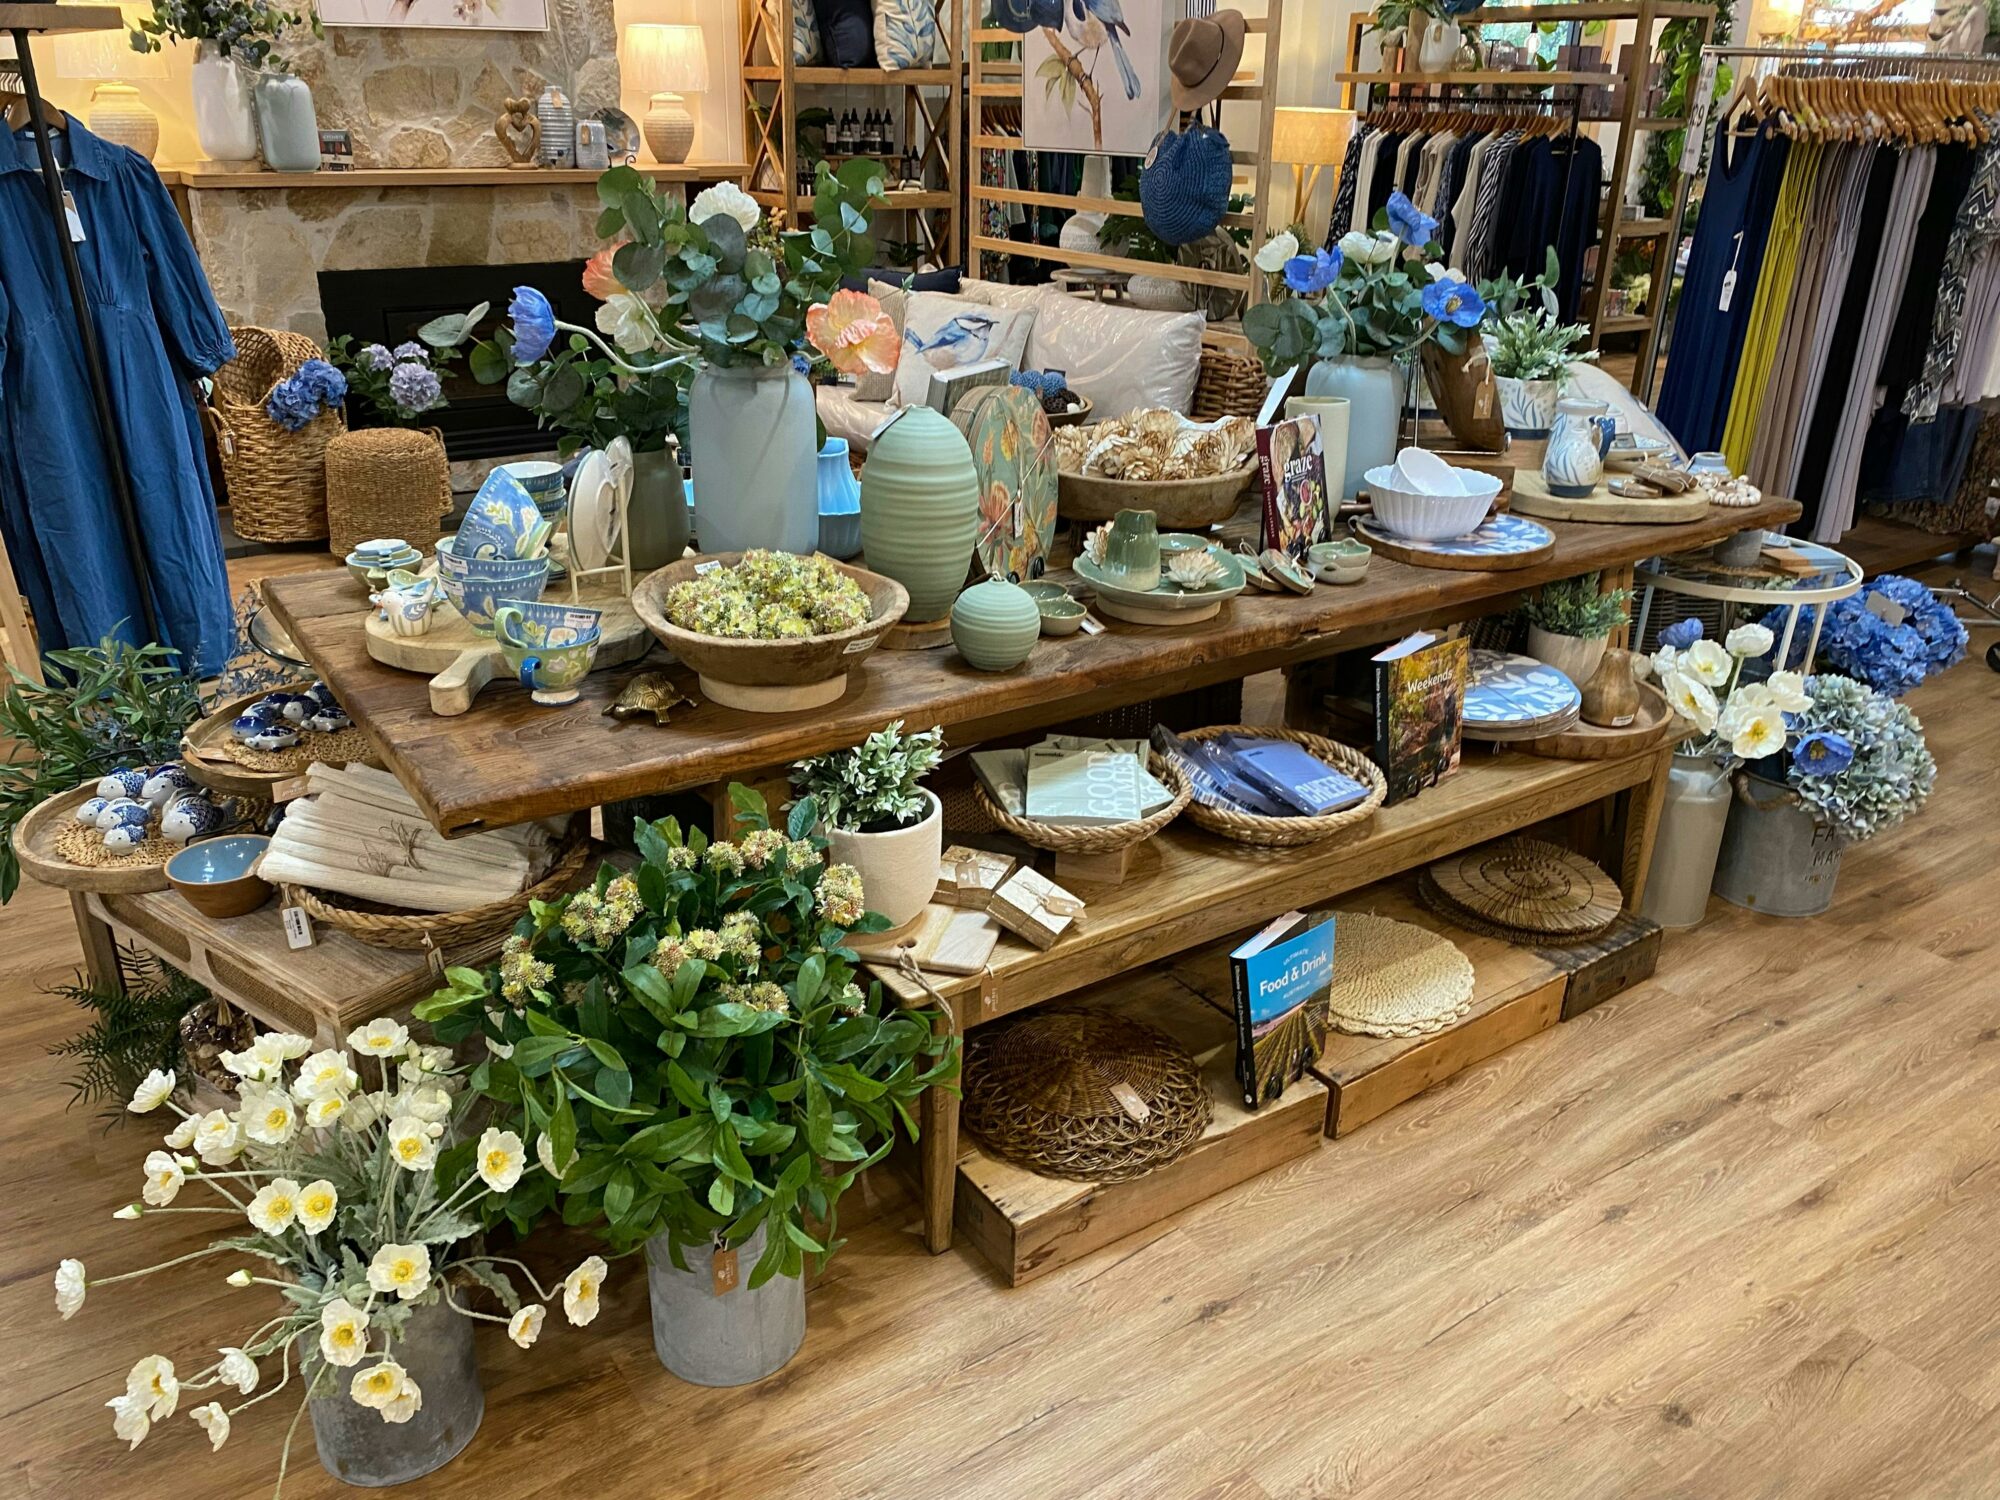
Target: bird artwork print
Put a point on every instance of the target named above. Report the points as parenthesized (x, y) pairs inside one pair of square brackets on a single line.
[(1078, 34), (964, 340)]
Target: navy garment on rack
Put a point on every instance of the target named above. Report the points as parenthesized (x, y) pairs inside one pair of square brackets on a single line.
[(157, 328), (1736, 211), (1552, 193), (1382, 182)]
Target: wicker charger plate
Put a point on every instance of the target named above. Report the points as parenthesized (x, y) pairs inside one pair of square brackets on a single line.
[(1287, 833), (1526, 888), (1396, 979), (1084, 1095), (1107, 838)]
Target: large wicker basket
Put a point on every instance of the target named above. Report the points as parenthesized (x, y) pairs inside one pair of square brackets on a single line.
[(276, 479), (1228, 385), (1107, 838), (386, 482), (1287, 833)]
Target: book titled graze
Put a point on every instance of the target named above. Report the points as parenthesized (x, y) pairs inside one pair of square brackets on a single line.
[(1419, 703), (1281, 981), (1293, 469)]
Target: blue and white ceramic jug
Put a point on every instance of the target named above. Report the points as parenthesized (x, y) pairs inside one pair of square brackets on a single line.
[(1573, 462)]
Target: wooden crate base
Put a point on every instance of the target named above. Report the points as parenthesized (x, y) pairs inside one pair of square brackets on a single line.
[(1607, 965), (1027, 1224)]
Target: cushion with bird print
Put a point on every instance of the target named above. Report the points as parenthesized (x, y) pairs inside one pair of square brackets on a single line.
[(942, 333)]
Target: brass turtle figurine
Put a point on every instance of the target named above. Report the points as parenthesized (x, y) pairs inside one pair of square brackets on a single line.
[(649, 693)]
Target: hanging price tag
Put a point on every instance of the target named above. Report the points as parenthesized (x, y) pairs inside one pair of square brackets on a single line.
[(298, 927), (1698, 106), (723, 1271), (1728, 291), (73, 217)]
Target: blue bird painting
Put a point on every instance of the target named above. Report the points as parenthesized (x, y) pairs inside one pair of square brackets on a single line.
[(1024, 16), (962, 341), (1111, 15)]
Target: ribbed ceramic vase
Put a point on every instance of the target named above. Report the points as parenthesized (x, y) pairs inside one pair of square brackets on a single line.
[(1374, 390), (920, 509), (357, 1447), (995, 625), (753, 436)]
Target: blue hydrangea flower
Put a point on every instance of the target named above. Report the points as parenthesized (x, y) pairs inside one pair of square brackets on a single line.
[(378, 357), (802, 364), (534, 324), (1413, 226), (1309, 275), (1682, 634), (1823, 753), (412, 351), (415, 387), (1454, 301), (321, 379), (1863, 645)]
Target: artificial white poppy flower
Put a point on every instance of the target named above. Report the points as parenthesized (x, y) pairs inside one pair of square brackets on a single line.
[(378, 1385), (182, 1135), (1788, 692), (1277, 250), (323, 1112), (239, 1277), (165, 1173), (1758, 734), (152, 1380), (526, 1325), (500, 1159), (214, 1421), (218, 1140), (129, 1211), (317, 1203), (325, 1075), (286, 1045), (238, 1369), (545, 1153), (71, 1284), (1748, 697), (275, 1206), (129, 1419), (1706, 662), (1749, 640), (405, 1404), (728, 199), (625, 319), (343, 1333), (1690, 700), (427, 1102), (580, 1290), (402, 1269), (362, 1111), (411, 1145), (269, 1116), (251, 1066), (381, 1037), (153, 1091), (1365, 249), (1666, 660)]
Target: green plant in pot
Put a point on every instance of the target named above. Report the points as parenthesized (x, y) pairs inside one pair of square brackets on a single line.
[(879, 819), (1531, 349), (691, 1057), (1570, 621)]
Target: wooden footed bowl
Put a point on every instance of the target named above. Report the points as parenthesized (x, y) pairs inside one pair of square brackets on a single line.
[(1180, 504)]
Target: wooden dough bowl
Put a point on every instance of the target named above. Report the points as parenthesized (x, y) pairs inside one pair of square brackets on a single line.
[(769, 676), (34, 846), (1180, 504)]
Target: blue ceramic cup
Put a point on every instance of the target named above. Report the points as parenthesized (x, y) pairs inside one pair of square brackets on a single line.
[(543, 480), (549, 650)]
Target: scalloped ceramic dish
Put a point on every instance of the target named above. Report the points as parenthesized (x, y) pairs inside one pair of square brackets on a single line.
[(1167, 603)]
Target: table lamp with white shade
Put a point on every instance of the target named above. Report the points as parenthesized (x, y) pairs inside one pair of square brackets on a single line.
[(117, 113), (1309, 138), (667, 62)]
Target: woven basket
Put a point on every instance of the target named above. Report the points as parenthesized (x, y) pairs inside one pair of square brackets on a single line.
[(382, 927), (1287, 833), (386, 482), (276, 479), (1228, 385), (1107, 838)]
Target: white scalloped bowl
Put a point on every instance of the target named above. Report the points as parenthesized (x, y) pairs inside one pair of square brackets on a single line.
[(1430, 518)]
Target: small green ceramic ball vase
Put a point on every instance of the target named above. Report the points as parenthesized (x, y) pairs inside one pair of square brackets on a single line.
[(995, 625), (920, 509)]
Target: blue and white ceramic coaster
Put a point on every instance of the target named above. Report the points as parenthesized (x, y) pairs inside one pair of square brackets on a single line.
[(1505, 692), (1505, 536)]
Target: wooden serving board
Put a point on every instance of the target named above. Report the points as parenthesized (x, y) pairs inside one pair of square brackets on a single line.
[(942, 940), (1581, 741), (1532, 498), (460, 663)]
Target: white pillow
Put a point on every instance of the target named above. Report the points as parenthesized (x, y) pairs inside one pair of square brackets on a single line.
[(1000, 293), (1123, 359), (906, 33), (943, 332)]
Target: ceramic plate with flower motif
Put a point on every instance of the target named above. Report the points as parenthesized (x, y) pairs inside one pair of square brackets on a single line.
[(1504, 690), (1013, 453), (1503, 535)]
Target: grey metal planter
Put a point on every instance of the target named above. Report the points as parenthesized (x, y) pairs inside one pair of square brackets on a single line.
[(734, 1339), (1777, 857), (357, 1447)]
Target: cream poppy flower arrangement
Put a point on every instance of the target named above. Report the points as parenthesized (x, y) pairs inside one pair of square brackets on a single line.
[(344, 1173)]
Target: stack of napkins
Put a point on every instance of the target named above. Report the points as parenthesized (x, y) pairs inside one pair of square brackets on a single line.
[(1251, 773), (1071, 781)]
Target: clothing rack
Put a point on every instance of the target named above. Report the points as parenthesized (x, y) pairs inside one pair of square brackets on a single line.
[(21, 22)]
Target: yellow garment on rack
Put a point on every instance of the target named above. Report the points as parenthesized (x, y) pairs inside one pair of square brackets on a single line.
[(1773, 301)]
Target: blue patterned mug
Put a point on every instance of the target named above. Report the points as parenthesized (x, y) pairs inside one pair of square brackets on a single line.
[(551, 657)]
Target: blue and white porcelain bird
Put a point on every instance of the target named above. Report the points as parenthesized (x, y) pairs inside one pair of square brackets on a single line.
[(277, 735), (165, 783), (320, 698), (1112, 15), (125, 782), (292, 706), (191, 816), (962, 341)]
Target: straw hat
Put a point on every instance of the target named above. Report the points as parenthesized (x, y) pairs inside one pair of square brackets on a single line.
[(1203, 56)]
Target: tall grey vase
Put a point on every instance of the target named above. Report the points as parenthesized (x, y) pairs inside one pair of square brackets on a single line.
[(734, 1339), (358, 1447), (658, 512), (753, 439)]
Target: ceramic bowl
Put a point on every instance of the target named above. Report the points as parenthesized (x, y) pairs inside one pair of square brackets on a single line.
[(1061, 616), (1344, 561), (1172, 542), (478, 594), (451, 565), (1430, 518), (1043, 588), (214, 876), (535, 625), (369, 572), (543, 480)]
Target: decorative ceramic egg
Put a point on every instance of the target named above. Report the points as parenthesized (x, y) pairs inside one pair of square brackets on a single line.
[(190, 817), (122, 811), (277, 735), (292, 706), (126, 837), (329, 721), (87, 813), (122, 783), (995, 625), (163, 785)]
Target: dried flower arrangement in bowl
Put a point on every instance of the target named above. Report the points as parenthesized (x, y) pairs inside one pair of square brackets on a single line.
[(1190, 474)]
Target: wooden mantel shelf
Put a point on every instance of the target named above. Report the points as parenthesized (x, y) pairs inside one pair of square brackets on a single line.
[(203, 176)]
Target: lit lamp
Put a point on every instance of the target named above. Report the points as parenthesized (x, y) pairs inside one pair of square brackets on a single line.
[(116, 111), (667, 61), (1309, 138), (1779, 18)]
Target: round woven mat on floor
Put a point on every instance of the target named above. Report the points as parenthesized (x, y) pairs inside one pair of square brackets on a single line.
[(1395, 978), (1083, 1094), (1528, 887)]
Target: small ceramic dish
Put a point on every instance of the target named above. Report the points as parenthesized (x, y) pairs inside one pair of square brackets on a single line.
[(370, 572), (1043, 588), (1172, 542), (1061, 616), (1287, 572), (216, 876), (1344, 561)]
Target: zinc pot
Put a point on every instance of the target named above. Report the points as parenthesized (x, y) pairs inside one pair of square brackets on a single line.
[(1575, 656), (287, 124), (1373, 388), (1692, 817), (1777, 858), (658, 512), (899, 868), (920, 509), (225, 119), (358, 1447), (753, 438), (723, 1338)]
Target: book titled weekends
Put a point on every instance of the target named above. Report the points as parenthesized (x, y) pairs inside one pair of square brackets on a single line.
[(1281, 981), (1293, 470), (1419, 706)]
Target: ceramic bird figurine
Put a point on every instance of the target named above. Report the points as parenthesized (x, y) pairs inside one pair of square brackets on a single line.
[(292, 706), (166, 783), (190, 817), (126, 782), (319, 699)]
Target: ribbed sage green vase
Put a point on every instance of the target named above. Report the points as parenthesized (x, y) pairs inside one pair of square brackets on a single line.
[(995, 625), (920, 509)]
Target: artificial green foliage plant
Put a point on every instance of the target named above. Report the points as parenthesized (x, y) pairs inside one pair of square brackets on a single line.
[(1573, 606), (872, 788)]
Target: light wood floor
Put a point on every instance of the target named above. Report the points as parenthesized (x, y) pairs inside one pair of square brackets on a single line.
[(1733, 1234)]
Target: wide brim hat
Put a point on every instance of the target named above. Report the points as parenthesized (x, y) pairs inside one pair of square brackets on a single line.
[(1203, 56)]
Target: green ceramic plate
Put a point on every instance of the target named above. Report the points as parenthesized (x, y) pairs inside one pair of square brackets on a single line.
[(1168, 595)]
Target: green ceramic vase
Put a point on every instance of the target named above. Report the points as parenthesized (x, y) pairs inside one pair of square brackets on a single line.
[(995, 625), (920, 509)]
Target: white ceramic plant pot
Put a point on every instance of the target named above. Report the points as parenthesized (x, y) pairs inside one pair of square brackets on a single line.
[(1080, 230), (1527, 407), (1437, 44), (1373, 388), (225, 119), (899, 869), (1576, 657)]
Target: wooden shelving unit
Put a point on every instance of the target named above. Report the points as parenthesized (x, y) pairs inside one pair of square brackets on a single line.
[(932, 111), (205, 176)]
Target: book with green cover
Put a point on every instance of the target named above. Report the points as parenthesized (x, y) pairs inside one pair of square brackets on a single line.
[(1083, 788), (1419, 708)]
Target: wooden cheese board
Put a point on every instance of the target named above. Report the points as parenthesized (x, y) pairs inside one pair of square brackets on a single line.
[(941, 940), (1655, 724), (1532, 498)]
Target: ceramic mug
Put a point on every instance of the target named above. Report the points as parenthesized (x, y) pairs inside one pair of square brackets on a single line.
[(526, 623), (553, 675)]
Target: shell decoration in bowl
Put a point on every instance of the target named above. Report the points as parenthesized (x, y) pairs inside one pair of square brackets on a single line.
[(1195, 570)]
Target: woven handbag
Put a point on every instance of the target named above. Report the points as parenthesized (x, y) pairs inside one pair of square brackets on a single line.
[(276, 479), (386, 482)]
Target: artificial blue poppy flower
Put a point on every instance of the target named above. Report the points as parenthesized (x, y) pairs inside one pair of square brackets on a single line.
[(1413, 226), (534, 323), (1309, 275), (1454, 301), (1823, 753), (1681, 634)]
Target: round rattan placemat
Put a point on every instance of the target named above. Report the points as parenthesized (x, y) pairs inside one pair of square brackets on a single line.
[(1083, 1094), (1525, 888), (1395, 978)]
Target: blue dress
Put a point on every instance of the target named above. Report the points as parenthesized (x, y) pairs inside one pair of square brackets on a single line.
[(157, 329)]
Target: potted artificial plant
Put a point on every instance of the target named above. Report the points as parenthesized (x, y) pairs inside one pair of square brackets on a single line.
[(1531, 353), (1570, 623), (879, 820), (700, 1074)]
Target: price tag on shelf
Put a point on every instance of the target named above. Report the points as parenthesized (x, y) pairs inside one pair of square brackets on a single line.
[(1699, 104), (298, 927)]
